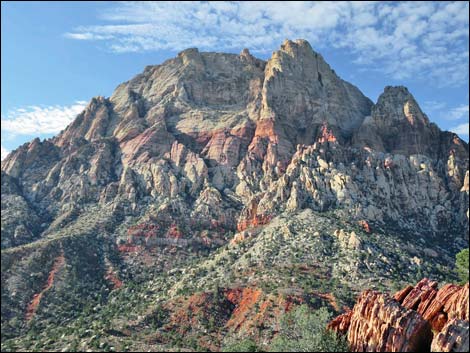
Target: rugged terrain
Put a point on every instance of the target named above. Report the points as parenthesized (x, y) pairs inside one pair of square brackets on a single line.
[(213, 192)]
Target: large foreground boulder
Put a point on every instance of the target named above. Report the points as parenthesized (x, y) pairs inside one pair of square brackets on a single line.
[(419, 318)]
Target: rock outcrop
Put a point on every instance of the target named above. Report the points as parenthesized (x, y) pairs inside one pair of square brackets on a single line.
[(408, 321), (452, 338), (437, 306), (379, 324), (398, 125)]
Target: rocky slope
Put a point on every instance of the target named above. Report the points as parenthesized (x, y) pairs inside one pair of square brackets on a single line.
[(222, 170)]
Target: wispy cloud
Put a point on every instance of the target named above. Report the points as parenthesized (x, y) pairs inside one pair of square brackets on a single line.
[(36, 120), (461, 129), (4, 153), (86, 36), (440, 110), (406, 40), (458, 113), (433, 106)]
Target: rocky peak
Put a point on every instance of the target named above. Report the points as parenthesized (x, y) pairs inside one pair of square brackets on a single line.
[(297, 57), (398, 125), (245, 53), (28, 156), (396, 103), (297, 47), (91, 124), (301, 93), (192, 57), (246, 56)]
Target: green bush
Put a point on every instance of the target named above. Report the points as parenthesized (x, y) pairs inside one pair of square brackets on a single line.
[(461, 265), (246, 345), (304, 330)]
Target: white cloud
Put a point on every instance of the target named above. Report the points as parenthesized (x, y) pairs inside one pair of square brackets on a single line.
[(80, 36), (433, 106), (438, 109), (406, 40), (458, 113), (34, 120), (4, 153), (86, 36), (461, 129)]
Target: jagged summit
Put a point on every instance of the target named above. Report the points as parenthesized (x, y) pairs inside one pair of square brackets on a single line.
[(396, 103), (285, 100), (296, 47), (398, 125)]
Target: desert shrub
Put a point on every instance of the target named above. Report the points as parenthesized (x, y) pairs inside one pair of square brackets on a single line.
[(246, 345), (304, 330), (461, 265)]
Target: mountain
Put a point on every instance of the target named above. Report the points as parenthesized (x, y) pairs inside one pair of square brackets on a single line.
[(213, 192)]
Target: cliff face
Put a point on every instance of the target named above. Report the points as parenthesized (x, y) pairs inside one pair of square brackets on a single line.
[(398, 125), (212, 151)]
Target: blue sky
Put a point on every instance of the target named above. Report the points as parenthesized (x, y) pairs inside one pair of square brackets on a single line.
[(57, 55)]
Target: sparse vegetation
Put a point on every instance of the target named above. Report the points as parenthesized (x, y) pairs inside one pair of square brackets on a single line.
[(304, 330), (247, 345), (461, 265)]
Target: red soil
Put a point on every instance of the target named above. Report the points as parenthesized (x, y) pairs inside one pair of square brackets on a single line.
[(33, 305), (129, 248), (257, 220), (365, 226), (111, 276)]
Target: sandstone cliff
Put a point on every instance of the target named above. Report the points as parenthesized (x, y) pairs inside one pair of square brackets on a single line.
[(408, 321)]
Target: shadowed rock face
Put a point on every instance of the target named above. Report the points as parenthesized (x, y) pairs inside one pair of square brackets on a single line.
[(408, 321), (398, 125), (453, 337)]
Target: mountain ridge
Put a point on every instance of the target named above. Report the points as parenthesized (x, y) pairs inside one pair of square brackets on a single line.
[(146, 116)]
